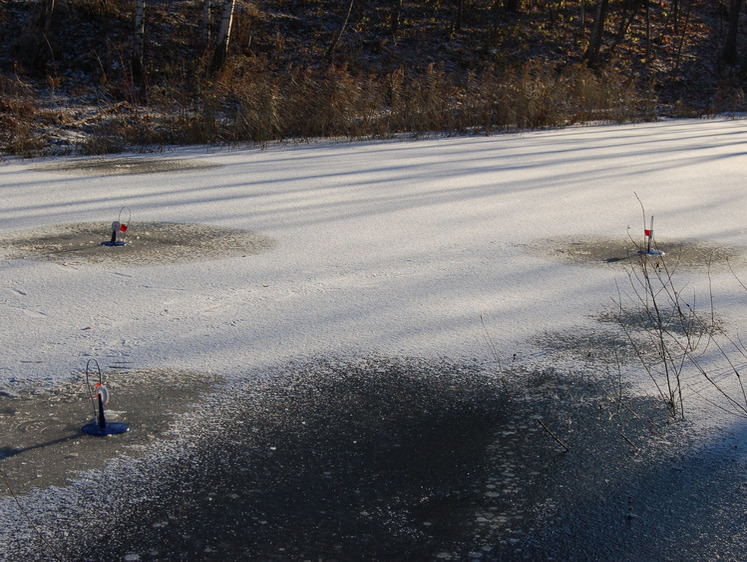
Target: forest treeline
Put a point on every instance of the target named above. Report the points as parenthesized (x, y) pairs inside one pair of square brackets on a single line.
[(102, 76)]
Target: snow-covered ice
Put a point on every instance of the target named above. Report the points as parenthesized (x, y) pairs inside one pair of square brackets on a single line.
[(423, 248), (393, 247)]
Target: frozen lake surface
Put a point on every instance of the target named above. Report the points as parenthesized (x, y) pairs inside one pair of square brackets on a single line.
[(461, 308)]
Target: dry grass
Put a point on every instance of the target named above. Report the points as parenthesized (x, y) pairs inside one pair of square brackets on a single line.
[(523, 71), (245, 104)]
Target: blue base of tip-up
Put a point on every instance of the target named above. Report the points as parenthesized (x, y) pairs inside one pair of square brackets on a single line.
[(117, 243), (651, 252), (109, 428)]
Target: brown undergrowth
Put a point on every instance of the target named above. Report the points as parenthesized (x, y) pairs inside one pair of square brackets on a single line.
[(72, 89)]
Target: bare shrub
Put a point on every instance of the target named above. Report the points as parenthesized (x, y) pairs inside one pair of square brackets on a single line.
[(101, 9), (18, 115), (323, 104), (423, 103), (671, 339), (257, 116), (248, 101), (260, 105)]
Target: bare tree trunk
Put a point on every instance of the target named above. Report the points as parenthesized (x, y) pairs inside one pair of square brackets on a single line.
[(597, 32), (138, 42), (396, 13), (34, 46), (683, 35), (730, 47), (513, 5), (45, 18), (224, 36), (582, 9), (205, 26), (648, 33), (630, 9), (332, 46), (459, 15)]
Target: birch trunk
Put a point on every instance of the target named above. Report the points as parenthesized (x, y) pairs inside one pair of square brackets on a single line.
[(224, 36), (138, 41)]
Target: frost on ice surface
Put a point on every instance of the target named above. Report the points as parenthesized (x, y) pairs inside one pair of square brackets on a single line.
[(503, 254)]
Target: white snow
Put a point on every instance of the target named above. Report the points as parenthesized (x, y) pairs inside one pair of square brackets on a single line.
[(402, 247)]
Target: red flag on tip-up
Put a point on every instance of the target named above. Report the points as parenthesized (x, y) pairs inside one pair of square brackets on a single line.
[(123, 227), (646, 231)]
